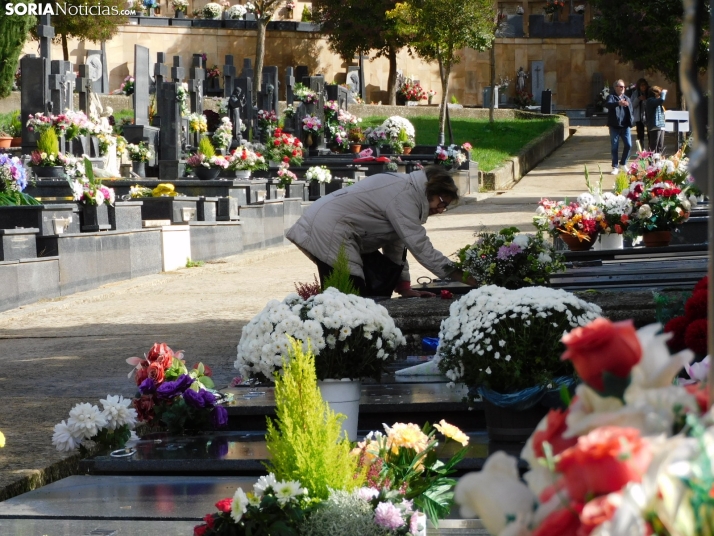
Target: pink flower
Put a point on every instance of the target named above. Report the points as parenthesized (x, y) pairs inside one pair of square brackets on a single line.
[(388, 516)]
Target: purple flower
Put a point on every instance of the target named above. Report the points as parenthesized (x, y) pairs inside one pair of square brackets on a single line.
[(199, 399), (147, 387), (170, 389), (219, 417), (504, 252), (388, 516)]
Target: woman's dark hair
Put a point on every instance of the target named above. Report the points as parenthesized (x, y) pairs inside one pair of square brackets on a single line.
[(440, 183), (642, 81)]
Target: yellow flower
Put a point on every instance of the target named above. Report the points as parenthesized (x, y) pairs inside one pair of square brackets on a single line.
[(452, 432), (406, 435), (370, 449), (2, 440)]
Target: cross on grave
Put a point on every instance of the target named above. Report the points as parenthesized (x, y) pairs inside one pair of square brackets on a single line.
[(246, 110), (61, 85), (289, 85), (537, 80), (195, 84), (247, 71), (178, 73), (170, 139), (34, 90), (161, 73), (270, 78), (141, 85), (45, 32), (229, 76), (266, 96), (84, 86)]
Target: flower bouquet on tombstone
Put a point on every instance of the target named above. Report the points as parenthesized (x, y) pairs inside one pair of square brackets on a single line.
[(244, 158), (630, 455), (661, 206), (127, 86), (213, 72), (111, 427), (236, 12), (352, 337), (267, 121), (331, 109), (173, 396), (411, 91), (509, 259), (197, 123), (47, 161), (87, 190), (524, 99), (285, 176), (376, 136), (505, 344), (283, 147), (212, 10), (450, 157), (305, 94), (312, 127), (394, 125), (554, 6), (13, 180), (577, 223), (407, 459), (223, 136), (206, 164), (180, 5), (140, 152), (318, 174)]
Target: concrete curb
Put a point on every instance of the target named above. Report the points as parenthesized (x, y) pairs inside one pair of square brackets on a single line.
[(530, 156)]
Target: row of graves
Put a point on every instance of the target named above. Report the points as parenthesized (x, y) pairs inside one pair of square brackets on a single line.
[(207, 441)]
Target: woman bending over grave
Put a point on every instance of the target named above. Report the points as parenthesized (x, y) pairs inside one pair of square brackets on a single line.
[(386, 211)]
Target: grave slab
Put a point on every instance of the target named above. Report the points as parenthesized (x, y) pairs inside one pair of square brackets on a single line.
[(215, 240), (273, 225), (125, 215), (179, 210), (207, 209), (42, 217), (16, 244), (27, 281), (251, 216), (144, 248)]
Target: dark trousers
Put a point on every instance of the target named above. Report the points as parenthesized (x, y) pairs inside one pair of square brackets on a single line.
[(656, 139), (324, 270), (640, 126)]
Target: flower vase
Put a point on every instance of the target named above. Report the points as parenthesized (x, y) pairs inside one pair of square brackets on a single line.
[(317, 190), (94, 218), (412, 103), (355, 148), (179, 14), (139, 168), (243, 174), (5, 142), (343, 397), (657, 239), (574, 244), (49, 172), (611, 241), (429, 99), (280, 193), (207, 174)]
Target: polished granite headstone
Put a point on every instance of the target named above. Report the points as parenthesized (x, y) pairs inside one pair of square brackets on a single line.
[(228, 209), (16, 244), (207, 208), (215, 240), (49, 219), (176, 209), (125, 215)]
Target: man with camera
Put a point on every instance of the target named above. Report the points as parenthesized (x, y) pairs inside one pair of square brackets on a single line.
[(619, 119)]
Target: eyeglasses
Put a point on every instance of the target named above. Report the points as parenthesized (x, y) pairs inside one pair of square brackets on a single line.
[(443, 205)]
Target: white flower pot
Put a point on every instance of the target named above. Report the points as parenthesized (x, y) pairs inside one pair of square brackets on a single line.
[(610, 241), (421, 524), (242, 174), (412, 103), (343, 397)]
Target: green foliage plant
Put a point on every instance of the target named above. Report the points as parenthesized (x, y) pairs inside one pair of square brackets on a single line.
[(306, 441), (13, 33), (306, 14), (454, 100), (340, 276), (48, 142), (205, 147), (342, 514)]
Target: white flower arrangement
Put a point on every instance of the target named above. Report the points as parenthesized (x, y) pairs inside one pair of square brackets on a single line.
[(180, 5), (319, 174), (509, 339), (237, 11), (580, 9), (223, 136), (392, 126), (87, 422), (351, 336), (246, 159), (212, 11)]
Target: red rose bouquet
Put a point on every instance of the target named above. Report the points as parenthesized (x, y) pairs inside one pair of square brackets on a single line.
[(283, 147), (172, 395), (627, 456), (411, 91)]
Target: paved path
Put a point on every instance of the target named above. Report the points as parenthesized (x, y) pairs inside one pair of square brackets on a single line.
[(59, 352)]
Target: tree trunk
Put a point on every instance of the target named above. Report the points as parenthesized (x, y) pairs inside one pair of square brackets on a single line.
[(392, 78), (259, 58), (65, 48), (444, 72), (492, 67)]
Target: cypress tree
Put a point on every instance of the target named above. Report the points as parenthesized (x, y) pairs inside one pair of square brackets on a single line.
[(13, 33)]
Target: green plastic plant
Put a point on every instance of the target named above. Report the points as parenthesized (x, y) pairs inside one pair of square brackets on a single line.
[(306, 442), (48, 142), (205, 147), (340, 276)]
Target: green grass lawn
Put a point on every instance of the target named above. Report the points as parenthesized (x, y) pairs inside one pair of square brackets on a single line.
[(493, 143)]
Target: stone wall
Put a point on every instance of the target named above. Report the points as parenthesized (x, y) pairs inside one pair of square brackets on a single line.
[(569, 63)]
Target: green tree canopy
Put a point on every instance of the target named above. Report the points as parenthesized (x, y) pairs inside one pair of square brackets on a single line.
[(437, 30), (13, 33), (360, 26), (645, 32)]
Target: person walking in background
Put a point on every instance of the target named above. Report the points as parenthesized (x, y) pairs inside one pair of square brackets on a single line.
[(619, 120), (638, 99), (655, 119)]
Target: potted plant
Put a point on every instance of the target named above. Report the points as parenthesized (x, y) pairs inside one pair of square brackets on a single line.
[(356, 137), (14, 128), (285, 178), (403, 144), (553, 8), (509, 259), (267, 123), (312, 127), (212, 11), (205, 163), (450, 157), (661, 196), (5, 137), (13, 180), (139, 155), (94, 199), (357, 339), (46, 161), (523, 99), (150, 7), (576, 223), (393, 127), (430, 96), (180, 8), (245, 160), (505, 345), (283, 147), (236, 12), (377, 138), (223, 136)]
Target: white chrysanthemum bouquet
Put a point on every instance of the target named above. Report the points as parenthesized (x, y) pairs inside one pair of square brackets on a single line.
[(111, 427), (352, 337), (509, 340)]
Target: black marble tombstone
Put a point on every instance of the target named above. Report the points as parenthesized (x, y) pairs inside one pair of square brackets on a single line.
[(229, 76)]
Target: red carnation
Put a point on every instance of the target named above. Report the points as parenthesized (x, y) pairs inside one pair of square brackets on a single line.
[(696, 306), (677, 326), (286, 159), (200, 530), (703, 284), (695, 337), (208, 518), (224, 505)]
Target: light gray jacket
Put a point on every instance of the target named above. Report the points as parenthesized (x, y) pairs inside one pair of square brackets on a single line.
[(384, 211)]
